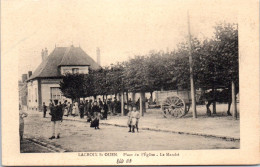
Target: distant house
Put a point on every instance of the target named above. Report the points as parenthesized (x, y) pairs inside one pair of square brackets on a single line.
[(43, 84), (23, 92)]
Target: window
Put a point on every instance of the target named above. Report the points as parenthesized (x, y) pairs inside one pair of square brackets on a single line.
[(55, 93), (65, 71), (75, 70)]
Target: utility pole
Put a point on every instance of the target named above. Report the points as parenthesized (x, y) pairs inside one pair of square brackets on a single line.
[(194, 112), (234, 103)]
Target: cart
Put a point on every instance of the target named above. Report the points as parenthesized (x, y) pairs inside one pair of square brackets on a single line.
[(175, 103)]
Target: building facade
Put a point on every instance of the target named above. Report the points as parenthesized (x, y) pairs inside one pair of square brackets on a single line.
[(43, 84)]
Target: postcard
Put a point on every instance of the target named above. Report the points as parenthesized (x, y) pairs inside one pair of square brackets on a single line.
[(141, 82)]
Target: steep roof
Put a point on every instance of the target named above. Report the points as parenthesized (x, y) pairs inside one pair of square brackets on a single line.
[(63, 56)]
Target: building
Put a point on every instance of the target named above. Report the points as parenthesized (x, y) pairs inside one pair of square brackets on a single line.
[(43, 84), (22, 85)]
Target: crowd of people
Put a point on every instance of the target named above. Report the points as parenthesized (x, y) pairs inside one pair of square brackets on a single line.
[(85, 107), (92, 110)]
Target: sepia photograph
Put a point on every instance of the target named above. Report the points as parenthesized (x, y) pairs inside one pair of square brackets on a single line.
[(110, 78)]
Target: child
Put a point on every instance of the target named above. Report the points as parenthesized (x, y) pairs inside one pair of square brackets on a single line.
[(135, 116), (129, 119)]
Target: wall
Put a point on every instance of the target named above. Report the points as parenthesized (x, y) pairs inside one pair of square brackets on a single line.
[(32, 95), (47, 84)]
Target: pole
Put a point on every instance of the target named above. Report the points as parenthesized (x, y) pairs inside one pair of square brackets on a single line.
[(194, 112), (122, 103), (141, 104), (234, 104)]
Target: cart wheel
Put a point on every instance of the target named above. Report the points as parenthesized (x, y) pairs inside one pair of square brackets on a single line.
[(175, 106)]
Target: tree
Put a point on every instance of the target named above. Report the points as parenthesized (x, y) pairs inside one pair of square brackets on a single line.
[(75, 86), (114, 78), (100, 86), (217, 63)]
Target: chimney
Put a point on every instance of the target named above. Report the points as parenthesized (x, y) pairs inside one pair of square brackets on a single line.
[(29, 74), (43, 55), (24, 77), (98, 57), (46, 52)]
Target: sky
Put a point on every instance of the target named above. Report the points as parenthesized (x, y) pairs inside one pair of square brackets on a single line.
[(120, 28)]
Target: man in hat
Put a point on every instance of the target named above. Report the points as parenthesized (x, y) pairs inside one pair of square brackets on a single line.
[(56, 119)]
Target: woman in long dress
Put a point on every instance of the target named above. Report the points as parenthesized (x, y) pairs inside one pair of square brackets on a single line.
[(66, 109), (76, 109), (22, 114), (73, 113), (105, 110), (95, 121)]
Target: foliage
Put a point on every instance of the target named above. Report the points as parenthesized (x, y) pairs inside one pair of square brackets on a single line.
[(75, 86), (217, 61), (215, 64), (115, 78)]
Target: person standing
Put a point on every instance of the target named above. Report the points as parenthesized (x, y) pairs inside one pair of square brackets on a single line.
[(86, 107), (129, 114), (73, 113), (56, 119), (109, 105), (114, 106), (135, 116), (51, 106), (22, 114), (96, 111), (66, 108), (89, 111), (69, 109), (44, 109), (138, 103), (81, 109), (100, 103), (76, 108), (105, 110), (90, 107)]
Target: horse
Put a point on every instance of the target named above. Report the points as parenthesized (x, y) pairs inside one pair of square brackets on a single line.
[(221, 96)]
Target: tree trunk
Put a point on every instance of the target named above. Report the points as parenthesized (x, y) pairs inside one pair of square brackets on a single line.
[(133, 97), (157, 97), (127, 100), (122, 103), (151, 93), (214, 99), (142, 103), (127, 96)]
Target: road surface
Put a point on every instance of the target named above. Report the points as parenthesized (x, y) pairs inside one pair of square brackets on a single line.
[(77, 136)]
